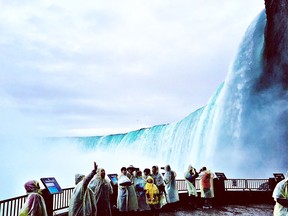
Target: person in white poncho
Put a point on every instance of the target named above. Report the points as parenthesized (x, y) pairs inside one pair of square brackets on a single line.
[(82, 201), (127, 198), (170, 185), (280, 195), (190, 177), (159, 182), (102, 189)]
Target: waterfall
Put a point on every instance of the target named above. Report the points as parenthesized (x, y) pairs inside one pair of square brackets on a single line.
[(232, 133), (240, 131)]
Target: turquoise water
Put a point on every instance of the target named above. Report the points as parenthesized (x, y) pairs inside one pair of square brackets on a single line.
[(240, 132), (231, 132)]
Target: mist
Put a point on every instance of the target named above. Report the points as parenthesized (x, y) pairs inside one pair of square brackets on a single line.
[(240, 132), (26, 155)]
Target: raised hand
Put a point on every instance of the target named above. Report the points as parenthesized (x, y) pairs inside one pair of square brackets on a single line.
[(95, 166)]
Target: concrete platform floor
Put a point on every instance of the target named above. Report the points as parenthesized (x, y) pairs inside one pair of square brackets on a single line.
[(252, 209)]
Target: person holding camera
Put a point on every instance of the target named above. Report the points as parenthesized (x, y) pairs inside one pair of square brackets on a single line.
[(190, 177)]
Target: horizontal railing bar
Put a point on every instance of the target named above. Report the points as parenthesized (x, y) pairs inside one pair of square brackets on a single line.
[(61, 201)]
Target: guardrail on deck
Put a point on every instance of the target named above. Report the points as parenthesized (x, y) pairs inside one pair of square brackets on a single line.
[(233, 185), (247, 184), (11, 207)]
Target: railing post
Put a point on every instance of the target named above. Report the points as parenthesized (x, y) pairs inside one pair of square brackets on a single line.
[(48, 201), (246, 184), (219, 190)]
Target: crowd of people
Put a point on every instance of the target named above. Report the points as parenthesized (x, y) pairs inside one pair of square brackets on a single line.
[(136, 191), (149, 190)]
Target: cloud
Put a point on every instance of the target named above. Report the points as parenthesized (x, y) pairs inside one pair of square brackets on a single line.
[(73, 66)]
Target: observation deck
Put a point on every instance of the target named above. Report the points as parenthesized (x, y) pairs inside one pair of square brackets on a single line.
[(228, 192)]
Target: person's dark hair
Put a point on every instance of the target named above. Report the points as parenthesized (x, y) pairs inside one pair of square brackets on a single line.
[(154, 167), (123, 168), (146, 170)]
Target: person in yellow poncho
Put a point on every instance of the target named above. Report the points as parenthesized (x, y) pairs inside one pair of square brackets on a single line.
[(152, 195), (35, 204)]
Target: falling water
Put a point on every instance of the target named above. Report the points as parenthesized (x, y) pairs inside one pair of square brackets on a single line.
[(240, 132)]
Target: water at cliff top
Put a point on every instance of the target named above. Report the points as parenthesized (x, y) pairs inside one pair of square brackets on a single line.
[(239, 132)]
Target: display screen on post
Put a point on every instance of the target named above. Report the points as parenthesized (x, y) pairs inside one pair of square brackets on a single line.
[(113, 178), (279, 176), (220, 176), (51, 185)]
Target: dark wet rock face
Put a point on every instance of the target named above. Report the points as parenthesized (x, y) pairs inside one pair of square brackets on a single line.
[(275, 53)]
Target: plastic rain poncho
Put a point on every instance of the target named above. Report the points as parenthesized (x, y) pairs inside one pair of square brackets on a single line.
[(127, 198), (281, 191), (83, 201), (34, 204), (102, 189), (170, 185), (157, 177), (190, 176), (139, 184), (159, 182), (151, 191), (206, 184)]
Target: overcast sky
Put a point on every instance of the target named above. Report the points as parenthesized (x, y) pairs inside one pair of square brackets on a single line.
[(80, 68)]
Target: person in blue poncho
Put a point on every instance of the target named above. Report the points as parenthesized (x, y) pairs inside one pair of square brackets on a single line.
[(139, 184)]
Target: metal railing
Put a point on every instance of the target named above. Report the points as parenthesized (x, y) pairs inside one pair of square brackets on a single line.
[(61, 200), (11, 207), (247, 184), (232, 185), (182, 186)]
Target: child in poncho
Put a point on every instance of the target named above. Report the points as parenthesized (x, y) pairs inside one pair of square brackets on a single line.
[(152, 195)]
